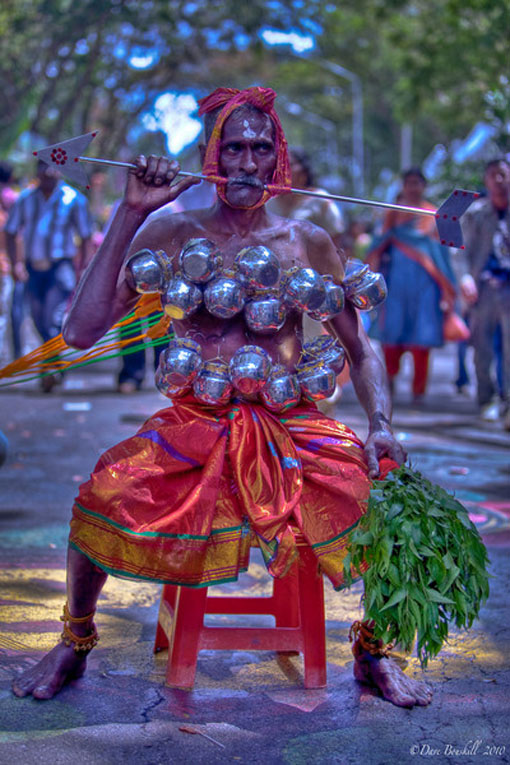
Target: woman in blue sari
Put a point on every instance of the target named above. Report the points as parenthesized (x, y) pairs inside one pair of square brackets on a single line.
[(421, 284)]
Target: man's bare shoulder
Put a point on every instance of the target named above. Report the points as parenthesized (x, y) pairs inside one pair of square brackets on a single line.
[(168, 230), (305, 229), (310, 239), (322, 252), (296, 229)]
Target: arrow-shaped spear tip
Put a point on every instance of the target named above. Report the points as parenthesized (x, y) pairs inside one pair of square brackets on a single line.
[(449, 214), (65, 156)]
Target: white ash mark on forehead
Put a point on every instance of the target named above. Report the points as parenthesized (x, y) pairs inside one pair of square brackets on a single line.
[(248, 131)]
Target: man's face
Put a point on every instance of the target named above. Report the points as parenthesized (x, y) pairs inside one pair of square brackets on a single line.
[(47, 176), (413, 188), (497, 181), (247, 156)]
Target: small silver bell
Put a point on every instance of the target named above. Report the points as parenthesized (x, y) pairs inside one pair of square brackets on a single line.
[(265, 315), (212, 384), (224, 297), (200, 260), (317, 381), (333, 303), (249, 369), (147, 271), (371, 292), (304, 289), (327, 349), (180, 361), (258, 267), (182, 298), (281, 390), (168, 389)]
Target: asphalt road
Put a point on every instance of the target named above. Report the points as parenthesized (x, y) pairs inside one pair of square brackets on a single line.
[(251, 704)]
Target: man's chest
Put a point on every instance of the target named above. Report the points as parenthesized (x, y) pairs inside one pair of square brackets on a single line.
[(290, 251)]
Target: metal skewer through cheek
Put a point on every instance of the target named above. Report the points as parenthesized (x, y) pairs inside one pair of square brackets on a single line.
[(67, 156), (304, 192)]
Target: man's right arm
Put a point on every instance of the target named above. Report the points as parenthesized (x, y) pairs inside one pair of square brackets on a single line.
[(103, 296), (15, 255)]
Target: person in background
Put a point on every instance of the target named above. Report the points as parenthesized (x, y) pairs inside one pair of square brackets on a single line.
[(420, 280), (485, 286), (48, 216), (7, 198), (323, 212), (357, 239)]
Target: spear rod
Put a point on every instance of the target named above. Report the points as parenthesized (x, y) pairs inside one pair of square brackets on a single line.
[(304, 192)]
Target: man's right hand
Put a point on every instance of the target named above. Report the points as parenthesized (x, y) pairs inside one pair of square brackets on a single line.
[(148, 186), (468, 289)]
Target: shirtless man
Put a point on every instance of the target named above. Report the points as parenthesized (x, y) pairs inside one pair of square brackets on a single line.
[(247, 158)]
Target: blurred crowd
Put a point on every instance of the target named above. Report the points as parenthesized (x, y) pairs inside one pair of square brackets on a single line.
[(49, 231)]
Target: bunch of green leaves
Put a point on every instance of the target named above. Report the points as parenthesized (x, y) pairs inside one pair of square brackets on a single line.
[(427, 565)]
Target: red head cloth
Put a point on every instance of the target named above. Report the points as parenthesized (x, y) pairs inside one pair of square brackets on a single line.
[(230, 99)]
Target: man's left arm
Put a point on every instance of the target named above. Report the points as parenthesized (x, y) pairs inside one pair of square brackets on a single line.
[(367, 372), (370, 382)]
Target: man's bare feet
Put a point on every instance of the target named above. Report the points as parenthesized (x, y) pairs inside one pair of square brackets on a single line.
[(386, 675), (45, 679)]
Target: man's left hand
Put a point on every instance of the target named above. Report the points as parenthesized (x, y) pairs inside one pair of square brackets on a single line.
[(382, 443)]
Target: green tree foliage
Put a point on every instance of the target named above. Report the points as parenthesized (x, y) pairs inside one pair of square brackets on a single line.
[(441, 65), (64, 65)]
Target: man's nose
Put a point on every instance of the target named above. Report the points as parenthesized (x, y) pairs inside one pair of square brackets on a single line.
[(248, 164)]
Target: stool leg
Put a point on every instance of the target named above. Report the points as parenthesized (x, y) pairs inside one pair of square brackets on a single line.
[(311, 604), (286, 599), (185, 639), (167, 602)]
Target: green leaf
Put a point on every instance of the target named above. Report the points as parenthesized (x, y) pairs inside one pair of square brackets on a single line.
[(365, 538), (452, 576), (392, 575), (394, 510), (397, 596), (436, 597)]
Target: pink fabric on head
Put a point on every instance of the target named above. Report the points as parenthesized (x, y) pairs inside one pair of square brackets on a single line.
[(230, 99)]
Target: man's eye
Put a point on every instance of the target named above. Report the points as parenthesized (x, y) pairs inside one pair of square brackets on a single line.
[(263, 148), (232, 148)]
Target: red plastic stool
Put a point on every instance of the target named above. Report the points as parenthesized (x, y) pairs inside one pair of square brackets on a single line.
[(297, 603)]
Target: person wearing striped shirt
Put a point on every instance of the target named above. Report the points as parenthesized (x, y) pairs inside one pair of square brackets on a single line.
[(49, 218)]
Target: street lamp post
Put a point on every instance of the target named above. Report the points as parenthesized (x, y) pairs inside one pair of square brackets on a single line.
[(358, 160)]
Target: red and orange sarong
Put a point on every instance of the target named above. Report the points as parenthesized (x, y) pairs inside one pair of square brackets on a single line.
[(181, 501)]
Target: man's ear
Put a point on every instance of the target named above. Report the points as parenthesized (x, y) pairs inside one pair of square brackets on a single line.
[(201, 148)]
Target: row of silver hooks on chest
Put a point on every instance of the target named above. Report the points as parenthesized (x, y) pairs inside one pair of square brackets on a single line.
[(257, 284), (254, 283), (250, 374)]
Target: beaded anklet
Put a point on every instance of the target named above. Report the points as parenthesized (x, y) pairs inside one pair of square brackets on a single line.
[(363, 635), (79, 643)]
